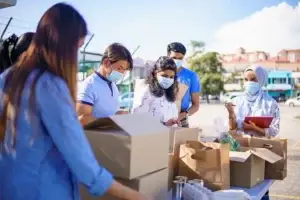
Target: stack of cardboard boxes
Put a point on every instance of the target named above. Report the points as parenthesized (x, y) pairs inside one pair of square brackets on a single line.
[(134, 148), (257, 160), (145, 155)]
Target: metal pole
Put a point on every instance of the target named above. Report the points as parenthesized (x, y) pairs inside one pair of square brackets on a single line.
[(130, 80), (8, 23), (84, 48)]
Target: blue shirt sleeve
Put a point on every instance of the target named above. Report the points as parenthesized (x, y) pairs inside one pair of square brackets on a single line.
[(195, 84), (85, 93), (58, 114)]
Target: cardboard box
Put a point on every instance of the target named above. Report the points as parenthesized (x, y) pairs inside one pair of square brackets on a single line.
[(243, 140), (129, 146), (247, 167), (278, 170), (275, 171), (153, 186), (207, 161), (179, 135), (172, 162)]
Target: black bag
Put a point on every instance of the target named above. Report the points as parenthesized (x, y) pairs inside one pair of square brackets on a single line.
[(6, 48)]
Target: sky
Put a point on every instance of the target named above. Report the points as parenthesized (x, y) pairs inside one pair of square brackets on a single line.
[(224, 25)]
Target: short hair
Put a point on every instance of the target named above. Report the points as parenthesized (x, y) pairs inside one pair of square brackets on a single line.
[(116, 52), (176, 47)]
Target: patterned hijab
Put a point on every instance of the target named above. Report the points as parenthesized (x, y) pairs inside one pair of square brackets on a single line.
[(262, 78)]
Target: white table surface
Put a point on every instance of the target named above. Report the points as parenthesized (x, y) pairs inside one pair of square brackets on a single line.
[(258, 191), (255, 193)]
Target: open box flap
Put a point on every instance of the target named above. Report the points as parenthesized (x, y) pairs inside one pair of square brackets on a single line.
[(133, 124), (266, 154), (239, 156), (106, 123), (201, 146)]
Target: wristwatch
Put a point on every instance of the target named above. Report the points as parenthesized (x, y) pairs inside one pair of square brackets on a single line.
[(186, 112)]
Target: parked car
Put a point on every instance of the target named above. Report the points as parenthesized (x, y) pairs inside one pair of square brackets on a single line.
[(229, 96), (126, 100), (293, 102)]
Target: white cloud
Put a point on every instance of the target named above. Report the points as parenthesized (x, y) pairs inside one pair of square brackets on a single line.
[(271, 29)]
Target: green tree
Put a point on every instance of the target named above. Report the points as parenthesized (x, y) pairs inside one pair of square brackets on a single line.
[(197, 49), (209, 69)]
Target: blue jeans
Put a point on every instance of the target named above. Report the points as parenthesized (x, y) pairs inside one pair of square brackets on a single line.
[(266, 197)]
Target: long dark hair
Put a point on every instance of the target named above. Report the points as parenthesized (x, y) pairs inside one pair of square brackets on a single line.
[(53, 49), (163, 63)]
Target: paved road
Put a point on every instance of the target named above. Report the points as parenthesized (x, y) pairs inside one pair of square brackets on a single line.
[(290, 128)]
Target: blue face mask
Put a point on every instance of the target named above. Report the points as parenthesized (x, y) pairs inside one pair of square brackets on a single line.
[(164, 82), (115, 76), (251, 87), (178, 62)]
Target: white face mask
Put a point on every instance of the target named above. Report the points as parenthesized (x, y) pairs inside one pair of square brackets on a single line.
[(164, 82), (178, 62)]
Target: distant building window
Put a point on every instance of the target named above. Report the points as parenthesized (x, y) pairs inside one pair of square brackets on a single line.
[(279, 80), (235, 81)]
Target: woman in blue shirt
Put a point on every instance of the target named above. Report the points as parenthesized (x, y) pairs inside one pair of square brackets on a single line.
[(44, 153), (98, 95)]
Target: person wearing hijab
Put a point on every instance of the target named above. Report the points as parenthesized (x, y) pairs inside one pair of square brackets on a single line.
[(254, 102)]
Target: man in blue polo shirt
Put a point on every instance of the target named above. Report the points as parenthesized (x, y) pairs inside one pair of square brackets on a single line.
[(185, 76)]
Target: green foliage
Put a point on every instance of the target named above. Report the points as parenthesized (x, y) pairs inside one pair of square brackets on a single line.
[(197, 48), (209, 69), (211, 83)]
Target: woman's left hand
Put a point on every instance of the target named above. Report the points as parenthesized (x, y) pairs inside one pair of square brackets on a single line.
[(171, 122), (249, 126)]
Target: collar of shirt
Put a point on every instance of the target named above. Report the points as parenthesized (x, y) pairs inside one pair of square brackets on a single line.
[(106, 80)]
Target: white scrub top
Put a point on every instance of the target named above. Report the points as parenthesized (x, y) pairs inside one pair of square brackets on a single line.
[(159, 107)]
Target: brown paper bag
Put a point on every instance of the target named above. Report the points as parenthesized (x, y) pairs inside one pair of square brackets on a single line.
[(207, 161), (278, 170), (182, 88)]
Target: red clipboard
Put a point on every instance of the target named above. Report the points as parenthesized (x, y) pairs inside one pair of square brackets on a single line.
[(261, 121)]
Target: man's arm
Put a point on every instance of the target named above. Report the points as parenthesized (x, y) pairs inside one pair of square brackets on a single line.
[(84, 112), (195, 94), (195, 103), (85, 102)]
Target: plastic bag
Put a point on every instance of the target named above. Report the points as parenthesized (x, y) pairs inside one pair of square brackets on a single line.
[(220, 126), (223, 136)]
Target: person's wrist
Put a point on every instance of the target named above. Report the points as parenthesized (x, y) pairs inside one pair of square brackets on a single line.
[(134, 195), (231, 115)]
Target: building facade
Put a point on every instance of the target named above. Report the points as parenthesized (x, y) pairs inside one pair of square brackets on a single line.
[(288, 60), (283, 69), (280, 84)]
